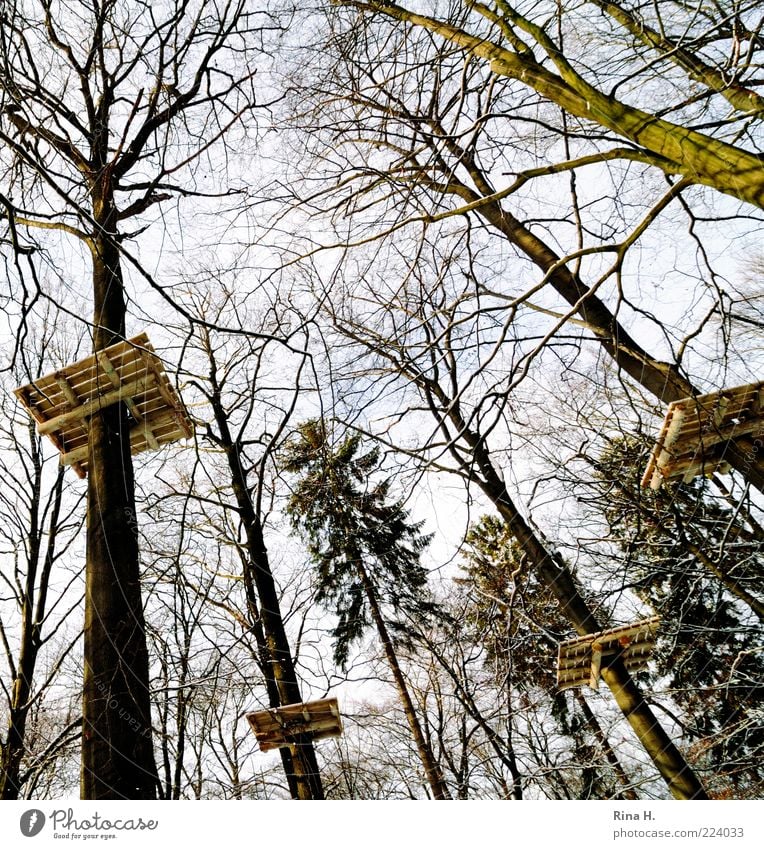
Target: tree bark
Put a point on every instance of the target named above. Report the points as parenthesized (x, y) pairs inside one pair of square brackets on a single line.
[(117, 749), (282, 685), (266, 667)]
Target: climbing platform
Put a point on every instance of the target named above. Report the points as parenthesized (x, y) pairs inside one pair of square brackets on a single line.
[(696, 431), (280, 727), (580, 659), (129, 373)]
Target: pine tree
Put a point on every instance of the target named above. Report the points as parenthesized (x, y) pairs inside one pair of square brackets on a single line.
[(366, 552)]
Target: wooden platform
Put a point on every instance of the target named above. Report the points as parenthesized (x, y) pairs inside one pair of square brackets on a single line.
[(129, 373), (696, 431), (277, 728), (580, 660)]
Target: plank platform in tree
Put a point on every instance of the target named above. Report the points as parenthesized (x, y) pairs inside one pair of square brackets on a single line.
[(280, 727), (696, 432), (129, 373), (580, 659)]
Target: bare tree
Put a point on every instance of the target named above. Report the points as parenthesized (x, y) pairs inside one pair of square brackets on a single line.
[(429, 138), (719, 51), (245, 391), (411, 171), (39, 596), (106, 107), (453, 359)]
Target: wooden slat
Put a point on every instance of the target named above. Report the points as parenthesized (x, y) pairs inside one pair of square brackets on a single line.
[(139, 441), (280, 727), (165, 390), (129, 372), (694, 426)]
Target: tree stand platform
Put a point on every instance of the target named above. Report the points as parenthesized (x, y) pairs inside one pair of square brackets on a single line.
[(277, 728), (696, 432), (580, 659), (129, 373)]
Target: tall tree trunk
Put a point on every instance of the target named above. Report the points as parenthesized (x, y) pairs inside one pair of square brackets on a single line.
[(305, 777), (432, 770), (554, 572), (117, 750), (266, 667)]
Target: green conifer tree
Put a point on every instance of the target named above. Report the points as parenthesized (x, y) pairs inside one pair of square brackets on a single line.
[(366, 552)]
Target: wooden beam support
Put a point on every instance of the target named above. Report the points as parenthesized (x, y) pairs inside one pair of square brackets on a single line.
[(86, 409), (111, 373), (69, 393), (596, 664), (721, 410)]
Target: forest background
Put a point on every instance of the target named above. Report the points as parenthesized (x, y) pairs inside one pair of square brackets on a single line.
[(426, 279)]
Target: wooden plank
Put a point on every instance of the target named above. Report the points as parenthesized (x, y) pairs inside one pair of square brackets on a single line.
[(139, 441), (129, 372), (279, 727), (98, 403), (168, 396), (23, 393), (693, 468), (111, 373)]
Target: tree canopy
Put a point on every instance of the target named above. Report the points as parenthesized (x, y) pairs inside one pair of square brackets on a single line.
[(425, 277)]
